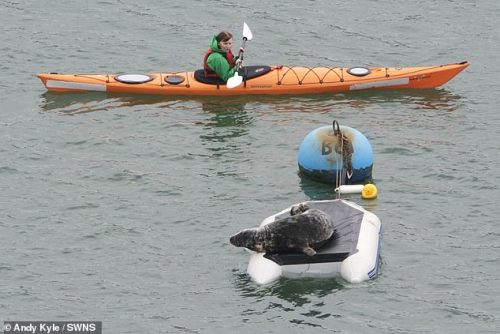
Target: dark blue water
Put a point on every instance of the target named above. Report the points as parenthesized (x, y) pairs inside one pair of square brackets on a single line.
[(119, 208)]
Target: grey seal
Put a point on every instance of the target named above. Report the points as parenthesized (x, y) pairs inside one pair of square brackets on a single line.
[(305, 229)]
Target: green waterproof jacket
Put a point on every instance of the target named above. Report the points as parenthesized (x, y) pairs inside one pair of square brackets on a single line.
[(218, 63)]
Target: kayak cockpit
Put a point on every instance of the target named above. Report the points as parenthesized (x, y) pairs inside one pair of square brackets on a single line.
[(247, 72)]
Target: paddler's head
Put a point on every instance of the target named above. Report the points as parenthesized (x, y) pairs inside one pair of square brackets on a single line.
[(224, 41)]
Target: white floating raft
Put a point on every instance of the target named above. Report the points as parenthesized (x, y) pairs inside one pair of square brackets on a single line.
[(352, 253)]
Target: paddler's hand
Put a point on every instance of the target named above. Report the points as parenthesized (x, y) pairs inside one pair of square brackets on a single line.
[(238, 62)]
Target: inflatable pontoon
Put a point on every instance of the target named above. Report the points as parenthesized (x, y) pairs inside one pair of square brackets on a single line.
[(352, 253)]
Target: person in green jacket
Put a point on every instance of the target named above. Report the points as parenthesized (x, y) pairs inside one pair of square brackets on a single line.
[(219, 61)]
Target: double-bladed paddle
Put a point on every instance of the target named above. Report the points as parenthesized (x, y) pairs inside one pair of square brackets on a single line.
[(237, 79)]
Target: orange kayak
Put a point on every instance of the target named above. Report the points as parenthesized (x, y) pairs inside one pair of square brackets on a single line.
[(269, 80)]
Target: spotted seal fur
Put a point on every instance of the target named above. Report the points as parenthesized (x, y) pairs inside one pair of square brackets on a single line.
[(305, 229)]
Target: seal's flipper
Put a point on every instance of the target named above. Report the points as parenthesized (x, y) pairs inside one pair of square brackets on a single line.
[(308, 251)]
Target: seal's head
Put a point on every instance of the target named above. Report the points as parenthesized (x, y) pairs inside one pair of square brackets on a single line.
[(298, 209), (248, 238)]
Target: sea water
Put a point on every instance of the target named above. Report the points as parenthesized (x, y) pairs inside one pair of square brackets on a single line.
[(119, 208)]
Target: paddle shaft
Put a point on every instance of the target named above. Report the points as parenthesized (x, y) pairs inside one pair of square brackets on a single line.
[(240, 54), (236, 80)]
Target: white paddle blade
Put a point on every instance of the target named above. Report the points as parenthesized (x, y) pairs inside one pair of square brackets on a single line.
[(234, 81), (246, 32)]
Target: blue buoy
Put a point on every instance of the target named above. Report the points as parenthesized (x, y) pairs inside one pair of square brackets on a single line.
[(319, 155)]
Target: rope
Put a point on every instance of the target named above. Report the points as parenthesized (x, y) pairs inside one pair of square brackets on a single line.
[(310, 70), (338, 174), (91, 76), (344, 148), (314, 76)]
